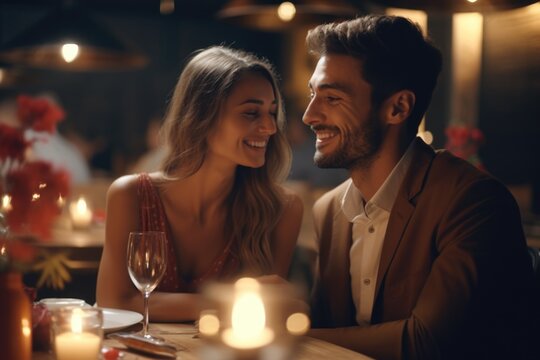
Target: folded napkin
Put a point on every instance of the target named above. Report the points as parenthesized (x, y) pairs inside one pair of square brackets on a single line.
[(145, 345)]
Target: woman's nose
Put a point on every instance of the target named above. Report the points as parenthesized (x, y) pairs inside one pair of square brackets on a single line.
[(268, 125)]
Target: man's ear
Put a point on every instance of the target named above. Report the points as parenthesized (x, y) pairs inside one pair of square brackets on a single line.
[(398, 107)]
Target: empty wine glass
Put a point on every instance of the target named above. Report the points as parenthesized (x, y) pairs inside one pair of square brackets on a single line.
[(146, 259)]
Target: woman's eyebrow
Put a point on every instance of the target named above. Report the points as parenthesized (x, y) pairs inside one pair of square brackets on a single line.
[(255, 101)]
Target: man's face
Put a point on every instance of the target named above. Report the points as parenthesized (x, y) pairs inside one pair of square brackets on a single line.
[(349, 131)]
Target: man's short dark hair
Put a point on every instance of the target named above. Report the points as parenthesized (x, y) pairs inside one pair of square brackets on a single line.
[(394, 53)]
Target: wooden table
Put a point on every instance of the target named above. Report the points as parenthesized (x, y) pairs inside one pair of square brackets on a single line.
[(183, 337)]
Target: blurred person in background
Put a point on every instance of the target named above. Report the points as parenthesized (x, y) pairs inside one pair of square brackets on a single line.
[(156, 151)]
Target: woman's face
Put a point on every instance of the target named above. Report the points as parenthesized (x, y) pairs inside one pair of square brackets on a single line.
[(246, 121)]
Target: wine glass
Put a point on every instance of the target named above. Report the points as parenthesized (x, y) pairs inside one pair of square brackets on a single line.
[(146, 262)]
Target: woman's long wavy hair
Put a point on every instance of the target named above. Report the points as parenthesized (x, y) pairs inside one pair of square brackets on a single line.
[(255, 202)]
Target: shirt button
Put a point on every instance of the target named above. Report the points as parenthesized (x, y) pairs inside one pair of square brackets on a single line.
[(371, 229), (367, 281)]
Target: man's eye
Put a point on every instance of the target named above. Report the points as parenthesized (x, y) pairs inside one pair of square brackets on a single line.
[(332, 99)]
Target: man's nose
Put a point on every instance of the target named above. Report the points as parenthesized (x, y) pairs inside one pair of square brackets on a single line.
[(312, 115)]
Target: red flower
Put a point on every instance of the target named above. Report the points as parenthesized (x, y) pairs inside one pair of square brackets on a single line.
[(38, 114), (34, 191), (12, 143)]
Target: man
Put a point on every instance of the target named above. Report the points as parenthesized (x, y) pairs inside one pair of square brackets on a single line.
[(421, 255)]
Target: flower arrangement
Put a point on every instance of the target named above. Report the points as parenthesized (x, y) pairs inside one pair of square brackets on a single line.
[(31, 194), (464, 142)]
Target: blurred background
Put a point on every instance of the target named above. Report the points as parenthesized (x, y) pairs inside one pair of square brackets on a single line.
[(131, 52)]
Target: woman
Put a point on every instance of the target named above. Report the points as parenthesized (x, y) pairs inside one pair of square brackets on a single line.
[(217, 197)]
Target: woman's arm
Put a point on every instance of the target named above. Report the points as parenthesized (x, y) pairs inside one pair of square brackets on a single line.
[(114, 286), (285, 235)]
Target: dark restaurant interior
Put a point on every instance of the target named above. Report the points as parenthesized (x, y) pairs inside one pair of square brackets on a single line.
[(490, 83)]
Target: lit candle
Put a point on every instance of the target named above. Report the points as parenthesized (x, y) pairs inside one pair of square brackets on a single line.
[(248, 330), (60, 201), (6, 203), (81, 215), (76, 344)]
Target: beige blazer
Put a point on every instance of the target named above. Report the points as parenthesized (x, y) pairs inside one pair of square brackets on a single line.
[(454, 280)]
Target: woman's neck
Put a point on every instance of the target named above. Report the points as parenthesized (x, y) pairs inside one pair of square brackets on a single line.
[(203, 195)]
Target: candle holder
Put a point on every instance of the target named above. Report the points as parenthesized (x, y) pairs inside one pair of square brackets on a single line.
[(77, 333), (250, 320)]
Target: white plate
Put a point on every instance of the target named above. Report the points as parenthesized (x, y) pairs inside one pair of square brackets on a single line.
[(116, 319)]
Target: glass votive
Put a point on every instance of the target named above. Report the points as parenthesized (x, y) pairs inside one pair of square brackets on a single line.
[(250, 320), (77, 333)]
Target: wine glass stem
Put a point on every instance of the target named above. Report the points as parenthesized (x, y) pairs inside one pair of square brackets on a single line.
[(146, 295)]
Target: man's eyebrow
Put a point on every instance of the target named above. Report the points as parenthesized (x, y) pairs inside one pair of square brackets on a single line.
[(333, 86)]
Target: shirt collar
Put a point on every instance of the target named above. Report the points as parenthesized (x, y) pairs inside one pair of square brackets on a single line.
[(352, 202)]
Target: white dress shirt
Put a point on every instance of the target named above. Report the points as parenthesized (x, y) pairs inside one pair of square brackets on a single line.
[(368, 230)]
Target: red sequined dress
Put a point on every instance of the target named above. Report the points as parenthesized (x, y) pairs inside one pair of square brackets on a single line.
[(153, 218)]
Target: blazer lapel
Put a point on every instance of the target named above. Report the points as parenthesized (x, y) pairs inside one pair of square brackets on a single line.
[(404, 206)]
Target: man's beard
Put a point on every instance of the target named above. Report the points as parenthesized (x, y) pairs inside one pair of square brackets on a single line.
[(358, 148)]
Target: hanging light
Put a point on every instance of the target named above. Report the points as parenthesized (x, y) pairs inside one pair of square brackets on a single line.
[(69, 39), (456, 5), (276, 15)]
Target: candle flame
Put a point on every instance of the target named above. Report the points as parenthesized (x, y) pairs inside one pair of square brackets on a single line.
[(76, 321), (248, 318), (81, 205)]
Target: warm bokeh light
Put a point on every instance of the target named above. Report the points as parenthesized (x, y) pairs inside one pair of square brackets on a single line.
[(286, 11), (471, 1), (297, 324), (1, 75), (6, 203), (467, 34), (247, 284), (70, 52), (166, 7), (208, 324), (26, 327)]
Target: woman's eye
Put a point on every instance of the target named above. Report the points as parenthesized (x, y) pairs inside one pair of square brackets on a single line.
[(251, 114)]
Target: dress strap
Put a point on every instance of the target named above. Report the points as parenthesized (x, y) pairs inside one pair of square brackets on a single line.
[(151, 212)]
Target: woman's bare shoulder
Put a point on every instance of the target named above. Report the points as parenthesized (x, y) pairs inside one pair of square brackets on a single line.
[(292, 202), (289, 195), (124, 184)]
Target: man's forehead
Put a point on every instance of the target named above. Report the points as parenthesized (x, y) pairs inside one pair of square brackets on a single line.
[(337, 71)]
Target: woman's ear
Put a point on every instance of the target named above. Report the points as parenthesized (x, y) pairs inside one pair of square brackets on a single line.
[(398, 107)]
